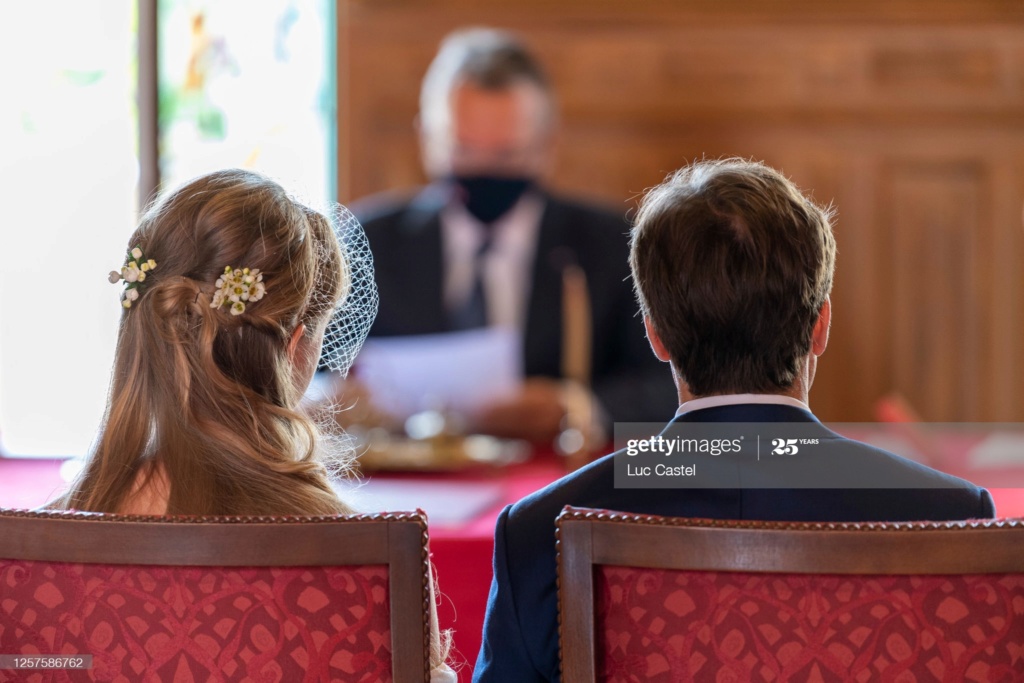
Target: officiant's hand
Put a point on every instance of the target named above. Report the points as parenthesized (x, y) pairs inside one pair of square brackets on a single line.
[(534, 413)]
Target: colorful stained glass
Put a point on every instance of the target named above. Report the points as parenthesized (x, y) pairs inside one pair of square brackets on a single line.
[(248, 84)]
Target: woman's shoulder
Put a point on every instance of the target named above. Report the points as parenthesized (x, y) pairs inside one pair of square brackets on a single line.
[(443, 674), (149, 494)]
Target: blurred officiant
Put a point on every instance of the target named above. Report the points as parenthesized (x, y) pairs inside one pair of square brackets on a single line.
[(485, 245)]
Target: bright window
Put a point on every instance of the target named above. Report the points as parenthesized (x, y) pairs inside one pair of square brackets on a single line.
[(241, 83), (69, 171)]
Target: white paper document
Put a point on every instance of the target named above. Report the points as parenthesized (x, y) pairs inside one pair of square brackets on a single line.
[(447, 503), (999, 450), (458, 371)]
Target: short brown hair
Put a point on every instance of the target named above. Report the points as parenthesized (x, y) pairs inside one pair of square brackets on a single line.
[(732, 264)]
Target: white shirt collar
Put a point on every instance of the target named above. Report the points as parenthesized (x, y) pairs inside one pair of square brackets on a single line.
[(508, 266), (739, 399)]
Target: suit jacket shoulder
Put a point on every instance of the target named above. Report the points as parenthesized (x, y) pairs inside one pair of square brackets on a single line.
[(385, 206), (404, 232)]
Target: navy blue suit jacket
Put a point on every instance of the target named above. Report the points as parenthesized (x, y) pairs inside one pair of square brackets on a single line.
[(520, 641), (405, 237)]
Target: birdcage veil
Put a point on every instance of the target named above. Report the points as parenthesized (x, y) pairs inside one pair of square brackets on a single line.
[(354, 313)]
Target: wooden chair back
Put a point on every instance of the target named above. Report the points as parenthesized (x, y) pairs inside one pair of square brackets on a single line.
[(219, 598), (668, 599)]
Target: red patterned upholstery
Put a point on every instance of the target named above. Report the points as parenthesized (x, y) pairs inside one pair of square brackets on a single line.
[(671, 625), (198, 624), (643, 598), (211, 599)]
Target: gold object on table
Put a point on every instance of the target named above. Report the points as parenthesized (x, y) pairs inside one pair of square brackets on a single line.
[(433, 443)]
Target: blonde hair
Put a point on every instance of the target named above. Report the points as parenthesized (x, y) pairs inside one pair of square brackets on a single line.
[(208, 396)]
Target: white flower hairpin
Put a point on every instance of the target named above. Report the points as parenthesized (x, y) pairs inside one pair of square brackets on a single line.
[(134, 275), (238, 286)]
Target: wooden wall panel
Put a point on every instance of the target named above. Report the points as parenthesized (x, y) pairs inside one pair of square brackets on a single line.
[(908, 115), (935, 255)]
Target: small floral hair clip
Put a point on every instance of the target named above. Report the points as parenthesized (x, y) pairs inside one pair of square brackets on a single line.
[(238, 286), (134, 274)]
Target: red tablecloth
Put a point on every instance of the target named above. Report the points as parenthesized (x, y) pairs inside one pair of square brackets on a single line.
[(461, 549)]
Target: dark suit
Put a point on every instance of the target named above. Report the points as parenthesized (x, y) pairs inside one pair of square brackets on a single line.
[(520, 631), (405, 237)]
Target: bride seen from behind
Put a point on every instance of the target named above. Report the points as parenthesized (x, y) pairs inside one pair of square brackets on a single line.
[(202, 413), (229, 287)]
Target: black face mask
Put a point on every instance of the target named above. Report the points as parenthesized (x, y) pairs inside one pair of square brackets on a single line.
[(488, 198)]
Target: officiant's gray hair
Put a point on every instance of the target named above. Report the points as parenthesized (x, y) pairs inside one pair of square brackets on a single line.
[(489, 58)]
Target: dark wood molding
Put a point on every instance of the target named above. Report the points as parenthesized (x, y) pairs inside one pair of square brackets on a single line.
[(148, 102)]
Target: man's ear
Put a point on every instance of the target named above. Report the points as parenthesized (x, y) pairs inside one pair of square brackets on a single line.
[(656, 344), (552, 141), (426, 141), (293, 343), (420, 131), (421, 142), (819, 337)]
